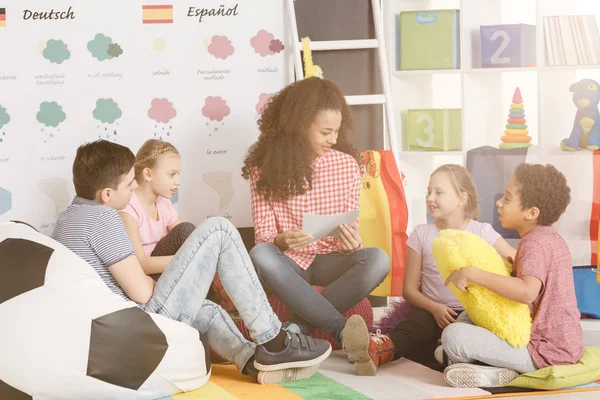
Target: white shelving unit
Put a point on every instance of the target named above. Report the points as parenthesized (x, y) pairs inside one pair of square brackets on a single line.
[(483, 94)]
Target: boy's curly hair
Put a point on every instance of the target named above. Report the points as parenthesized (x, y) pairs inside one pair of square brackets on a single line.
[(544, 187), (282, 155)]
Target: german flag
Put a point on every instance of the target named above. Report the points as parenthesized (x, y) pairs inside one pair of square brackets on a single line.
[(155, 14), (2, 17)]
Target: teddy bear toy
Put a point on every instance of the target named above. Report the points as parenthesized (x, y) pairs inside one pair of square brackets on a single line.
[(586, 127)]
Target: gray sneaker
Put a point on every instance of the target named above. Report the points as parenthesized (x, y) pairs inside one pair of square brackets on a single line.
[(300, 351)]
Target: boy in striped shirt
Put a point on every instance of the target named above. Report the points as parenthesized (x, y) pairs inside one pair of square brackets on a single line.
[(91, 227)]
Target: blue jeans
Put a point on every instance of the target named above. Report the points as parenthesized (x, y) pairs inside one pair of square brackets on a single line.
[(348, 280), (180, 293)]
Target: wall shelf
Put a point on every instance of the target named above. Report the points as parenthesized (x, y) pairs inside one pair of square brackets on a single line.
[(483, 94)]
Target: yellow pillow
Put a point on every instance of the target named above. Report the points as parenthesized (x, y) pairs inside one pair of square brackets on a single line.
[(587, 370), (509, 320)]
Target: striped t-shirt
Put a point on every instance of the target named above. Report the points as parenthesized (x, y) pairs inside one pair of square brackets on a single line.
[(96, 233)]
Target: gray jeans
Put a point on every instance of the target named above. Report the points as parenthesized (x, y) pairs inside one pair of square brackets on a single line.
[(180, 293), (348, 280), (465, 342)]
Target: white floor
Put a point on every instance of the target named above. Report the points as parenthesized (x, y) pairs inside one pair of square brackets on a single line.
[(406, 380), (591, 337), (566, 396), (591, 332)]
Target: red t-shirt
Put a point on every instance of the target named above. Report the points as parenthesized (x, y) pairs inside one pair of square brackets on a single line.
[(556, 336)]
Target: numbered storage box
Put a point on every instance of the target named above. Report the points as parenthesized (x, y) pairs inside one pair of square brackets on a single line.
[(429, 40), (507, 45), (433, 129)]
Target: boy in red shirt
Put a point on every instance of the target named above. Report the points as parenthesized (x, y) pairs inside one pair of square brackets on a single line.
[(534, 198)]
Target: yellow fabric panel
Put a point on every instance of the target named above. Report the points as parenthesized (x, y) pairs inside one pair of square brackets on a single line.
[(374, 220)]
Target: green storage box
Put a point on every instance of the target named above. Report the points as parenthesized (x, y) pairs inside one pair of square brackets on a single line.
[(429, 39), (433, 129)]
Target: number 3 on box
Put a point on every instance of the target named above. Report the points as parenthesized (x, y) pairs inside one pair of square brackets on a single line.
[(428, 130), (496, 59)]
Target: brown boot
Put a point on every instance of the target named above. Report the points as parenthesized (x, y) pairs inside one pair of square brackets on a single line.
[(369, 351)]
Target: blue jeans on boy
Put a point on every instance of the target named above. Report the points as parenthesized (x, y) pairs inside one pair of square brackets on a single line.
[(180, 293)]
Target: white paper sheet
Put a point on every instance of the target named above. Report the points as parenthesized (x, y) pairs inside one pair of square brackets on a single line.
[(320, 226)]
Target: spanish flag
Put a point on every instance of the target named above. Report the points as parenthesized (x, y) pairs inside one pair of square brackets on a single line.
[(155, 14), (2, 17)]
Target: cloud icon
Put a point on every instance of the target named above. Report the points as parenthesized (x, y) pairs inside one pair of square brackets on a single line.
[(51, 114), (56, 51), (107, 111), (261, 42), (276, 46), (4, 117), (162, 110), (215, 108), (114, 50), (103, 48), (263, 99), (265, 44), (159, 44), (220, 47)]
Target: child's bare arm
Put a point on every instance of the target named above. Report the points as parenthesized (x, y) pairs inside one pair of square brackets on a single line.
[(130, 276), (524, 289), (442, 314), (505, 249), (412, 277)]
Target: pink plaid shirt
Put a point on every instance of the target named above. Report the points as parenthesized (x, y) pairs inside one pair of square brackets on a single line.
[(336, 189)]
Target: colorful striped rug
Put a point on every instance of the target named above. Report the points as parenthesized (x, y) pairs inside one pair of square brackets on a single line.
[(401, 380)]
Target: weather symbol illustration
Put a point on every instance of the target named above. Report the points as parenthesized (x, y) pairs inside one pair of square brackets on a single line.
[(263, 99), (220, 182), (51, 114), (5, 201), (162, 111), (215, 109), (103, 48), (58, 191), (265, 44), (159, 44), (219, 46), (4, 120), (107, 112), (55, 51)]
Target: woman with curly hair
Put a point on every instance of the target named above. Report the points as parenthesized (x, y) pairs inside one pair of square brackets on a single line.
[(303, 162)]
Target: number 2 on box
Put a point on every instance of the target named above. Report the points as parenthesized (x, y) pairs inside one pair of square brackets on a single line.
[(428, 130), (496, 59)]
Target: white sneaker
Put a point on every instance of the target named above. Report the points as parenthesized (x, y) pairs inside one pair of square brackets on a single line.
[(286, 375), (474, 376)]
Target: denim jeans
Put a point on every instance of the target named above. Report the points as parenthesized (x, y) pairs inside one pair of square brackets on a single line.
[(180, 293), (348, 280)]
